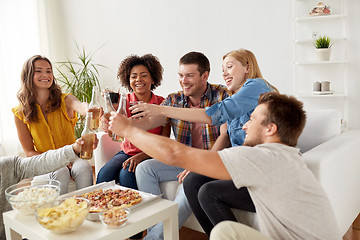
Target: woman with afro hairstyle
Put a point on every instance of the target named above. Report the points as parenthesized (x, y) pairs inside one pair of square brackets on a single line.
[(140, 75)]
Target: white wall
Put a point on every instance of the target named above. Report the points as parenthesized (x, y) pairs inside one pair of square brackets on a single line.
[(169, 29), (354, 64)]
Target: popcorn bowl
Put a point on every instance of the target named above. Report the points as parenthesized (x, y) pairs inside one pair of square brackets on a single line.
[(115, 217), (62, 216), (26, 196)]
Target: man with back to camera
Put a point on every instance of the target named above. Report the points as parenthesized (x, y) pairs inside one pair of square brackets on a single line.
[(289, 201), (14, 169)]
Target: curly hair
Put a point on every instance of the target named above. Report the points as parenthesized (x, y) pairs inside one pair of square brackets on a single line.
[(27, 96), (151, 62)]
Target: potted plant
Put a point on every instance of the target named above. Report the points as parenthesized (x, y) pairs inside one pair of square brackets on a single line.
[(323, 48), (78, 78)]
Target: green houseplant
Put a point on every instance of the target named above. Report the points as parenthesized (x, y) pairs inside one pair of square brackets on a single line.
[(78, 78), (323, 48)]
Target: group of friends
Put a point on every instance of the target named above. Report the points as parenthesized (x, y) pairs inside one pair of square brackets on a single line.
[(234, 146)]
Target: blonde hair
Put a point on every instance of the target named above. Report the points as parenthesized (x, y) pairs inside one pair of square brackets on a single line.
[(247, 58)]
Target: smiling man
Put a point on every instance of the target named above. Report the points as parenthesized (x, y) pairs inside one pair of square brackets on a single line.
[(289, 201), (194, 69)]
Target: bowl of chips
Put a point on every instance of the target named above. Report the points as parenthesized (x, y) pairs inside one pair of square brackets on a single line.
[(26, 196), (62, 216), (115, 217)]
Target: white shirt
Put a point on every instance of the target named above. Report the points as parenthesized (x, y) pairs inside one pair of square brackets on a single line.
[(289, 201)]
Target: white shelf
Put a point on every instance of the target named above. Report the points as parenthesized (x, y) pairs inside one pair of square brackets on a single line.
[(320, 62), (319, 18), (311, 95), (308, 41), (307, 69)]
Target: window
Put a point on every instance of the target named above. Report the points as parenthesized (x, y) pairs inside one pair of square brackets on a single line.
[(19, 40)]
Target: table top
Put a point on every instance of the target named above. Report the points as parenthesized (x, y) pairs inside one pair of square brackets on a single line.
[(139, 219)]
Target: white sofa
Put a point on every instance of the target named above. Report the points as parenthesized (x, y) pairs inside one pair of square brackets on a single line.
[(333, 157)]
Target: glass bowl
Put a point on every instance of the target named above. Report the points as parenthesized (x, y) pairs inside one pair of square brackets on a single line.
[(65, 215), (115, 217), (26, 196)]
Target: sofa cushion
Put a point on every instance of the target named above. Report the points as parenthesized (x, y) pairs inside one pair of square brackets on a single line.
[(321, 125)]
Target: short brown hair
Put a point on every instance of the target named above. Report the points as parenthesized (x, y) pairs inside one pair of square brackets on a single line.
[(196, 58), (152, 64), (287, 113)]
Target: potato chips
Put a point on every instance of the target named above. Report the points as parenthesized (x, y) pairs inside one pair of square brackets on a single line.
[(65, 217)]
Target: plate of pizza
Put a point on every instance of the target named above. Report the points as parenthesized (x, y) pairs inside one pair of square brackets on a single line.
[(104, 196), (102, 200)]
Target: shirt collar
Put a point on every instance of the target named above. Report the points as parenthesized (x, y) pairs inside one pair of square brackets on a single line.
[(185, 100)]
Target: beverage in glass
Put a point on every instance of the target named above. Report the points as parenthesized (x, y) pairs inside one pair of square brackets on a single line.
[(95, 108), (122, 110), (133, 103), (87, 147), (95, 120), (88, 136)]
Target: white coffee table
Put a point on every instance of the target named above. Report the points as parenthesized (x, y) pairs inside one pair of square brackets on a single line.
[(18, 226)]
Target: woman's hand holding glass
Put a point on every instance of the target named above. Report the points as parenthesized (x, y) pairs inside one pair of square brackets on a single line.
[(145, 110)]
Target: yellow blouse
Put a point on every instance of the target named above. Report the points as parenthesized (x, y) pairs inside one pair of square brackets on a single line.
[(54, 133)]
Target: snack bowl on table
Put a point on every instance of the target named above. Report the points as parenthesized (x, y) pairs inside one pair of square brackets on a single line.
[(115, 217), (26, 196), (64, 215)]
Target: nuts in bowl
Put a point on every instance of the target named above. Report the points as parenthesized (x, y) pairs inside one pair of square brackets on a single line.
[(115, 217), (26, 196), (64, 215)]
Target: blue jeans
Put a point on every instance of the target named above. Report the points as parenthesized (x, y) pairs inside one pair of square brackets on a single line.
[(113, 170), (149, 175)]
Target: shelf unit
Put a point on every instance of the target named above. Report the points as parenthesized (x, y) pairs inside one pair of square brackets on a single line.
[(307, 69)]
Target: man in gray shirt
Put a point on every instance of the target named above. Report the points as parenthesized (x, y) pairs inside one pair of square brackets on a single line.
[(290, 202), (14, 169)]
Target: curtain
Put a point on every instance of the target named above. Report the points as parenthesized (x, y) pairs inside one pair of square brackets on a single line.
[(19, 40)]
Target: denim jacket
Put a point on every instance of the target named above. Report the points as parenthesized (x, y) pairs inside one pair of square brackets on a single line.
[(236, 110)]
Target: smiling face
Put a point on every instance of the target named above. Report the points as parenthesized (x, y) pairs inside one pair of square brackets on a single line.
[(140, 80), (254, 129), (43, 75), (192, 84), (234, 73)]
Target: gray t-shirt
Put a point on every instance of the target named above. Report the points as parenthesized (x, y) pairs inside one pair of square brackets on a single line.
[(14, 169), (289, 200)]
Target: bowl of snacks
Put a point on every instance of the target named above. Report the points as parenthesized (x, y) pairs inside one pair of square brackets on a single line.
[(26, 196), (62, 216), (115, 217)]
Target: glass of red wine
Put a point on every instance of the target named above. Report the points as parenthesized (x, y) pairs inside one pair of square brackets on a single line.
[(133, 103)]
